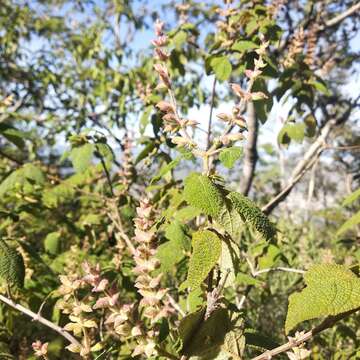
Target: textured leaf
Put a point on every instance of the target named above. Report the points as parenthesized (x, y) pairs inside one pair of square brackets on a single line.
[(222, 67), (252, 215), (230, 219), (200, 192), (331, 289), (12, 268), (349, 224), (229, 156), (52, 243), (204, 338), (206, 252), (81, 157), (22, 176)]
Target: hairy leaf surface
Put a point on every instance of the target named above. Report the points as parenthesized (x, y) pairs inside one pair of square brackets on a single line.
[(206, 252), (331, 289), (200, 192), (252, 215), (12, 268)]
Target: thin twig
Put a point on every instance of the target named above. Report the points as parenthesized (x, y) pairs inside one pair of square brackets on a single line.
[(211, 114), (338, 19), (279, 268), (175, 305), (326, 324), (40, 319)]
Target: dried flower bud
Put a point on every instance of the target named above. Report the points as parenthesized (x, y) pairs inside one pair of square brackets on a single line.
[(178, 140), (165, 107), (40, 349), (258, 95), (224, 117), (240, 92), (252, 74), (161, 54), (159, 27), (160, 41), (163, 73), (227, 139)]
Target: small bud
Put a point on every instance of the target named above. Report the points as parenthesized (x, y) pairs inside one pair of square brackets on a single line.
[(224, 117), (161, 54), (159, 27), (160, 41), (240, 92), (178, 140), (227, 139), (163, 73), (251, 74), (165, 107), (258, 96)]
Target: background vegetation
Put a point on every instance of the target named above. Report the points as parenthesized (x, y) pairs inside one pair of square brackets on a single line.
[(171, 172)]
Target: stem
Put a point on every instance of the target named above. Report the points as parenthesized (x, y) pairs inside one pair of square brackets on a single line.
[(211, 114), (251, 153), (326, 324), (279, 268), (40, 319)]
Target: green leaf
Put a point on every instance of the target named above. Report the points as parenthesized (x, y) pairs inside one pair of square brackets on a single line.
[(12, 268), (320, 86), (222, 67), (204, 337), (171, 252), (331, 290), (52, 243), (206, 252), (229, 156), (13, 135), (165, 169), (28, 173), (200, 192), (349, 224), (244, 45), (252, 215), (289, 132), (81, 157), (179, 39), (351, 198)]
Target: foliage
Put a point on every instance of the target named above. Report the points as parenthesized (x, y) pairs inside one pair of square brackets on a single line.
[(166, 194)]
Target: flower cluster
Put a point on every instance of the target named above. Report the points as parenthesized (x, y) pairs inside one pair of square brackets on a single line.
[(154, 302), (40, 349), (245, 95), (172, 121), (296, 47)]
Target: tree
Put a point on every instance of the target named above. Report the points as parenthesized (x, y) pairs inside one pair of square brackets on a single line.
[(157, 201)]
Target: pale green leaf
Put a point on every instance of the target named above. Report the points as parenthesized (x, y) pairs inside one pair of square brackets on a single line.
[(165, 169), (244, 45), (52, 243), (222, 67), (206, 252), (349, 224), (202, 193), (28, 173), (229, 156), (351, 197), (81, 157), (331, 290)]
